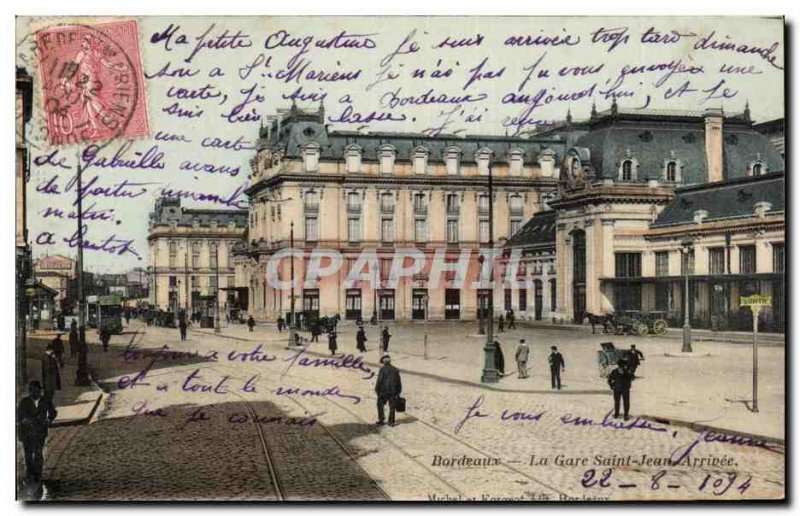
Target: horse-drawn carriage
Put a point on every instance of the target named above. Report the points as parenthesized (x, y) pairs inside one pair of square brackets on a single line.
[(638, 322), (630, 322)]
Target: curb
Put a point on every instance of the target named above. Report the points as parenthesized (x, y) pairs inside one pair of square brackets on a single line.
[(703, 428)]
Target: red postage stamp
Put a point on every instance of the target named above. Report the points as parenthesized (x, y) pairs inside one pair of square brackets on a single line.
[(92, 82)]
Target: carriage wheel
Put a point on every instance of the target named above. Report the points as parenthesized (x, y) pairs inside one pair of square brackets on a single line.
[(641, 329), (660, 327)]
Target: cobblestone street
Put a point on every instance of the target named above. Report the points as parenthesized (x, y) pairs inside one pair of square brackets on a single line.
[(238, 416)]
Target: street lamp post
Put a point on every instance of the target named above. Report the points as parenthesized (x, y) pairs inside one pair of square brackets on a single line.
[(489, 372), (291, 285), (216, 297), (82, 375), (687, 327)]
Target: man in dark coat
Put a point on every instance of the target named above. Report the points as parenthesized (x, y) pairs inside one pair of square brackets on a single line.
[(620, 382), (361, 338), (385, 339), (388, 387), (280, 324), (332, 342), (315, 331), (105, 336), (557, 365), (635, 359), (34, 415), (250, 323), (51, 375), (58, 350), (499, 359), (510, 318), (500, 323), (73, 339)]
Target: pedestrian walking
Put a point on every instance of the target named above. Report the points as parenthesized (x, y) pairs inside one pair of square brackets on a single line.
[(557, 364), (60, 322), (280, 324), (73, 339), (58, 350), (250, 323), (620, 381), (105, 336), (499, 359), (332, 342), (521, 355), (51, 374), (510, 317), (127, 317), (34, 415), (182, 325), (361, 339), (635, 359), (315, 331), (385, 336), (500, 323), (388, 388)]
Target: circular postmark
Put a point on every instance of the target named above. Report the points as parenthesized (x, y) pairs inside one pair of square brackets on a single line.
[(90, 82)]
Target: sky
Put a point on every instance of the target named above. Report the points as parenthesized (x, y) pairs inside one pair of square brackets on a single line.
[(209, 83)]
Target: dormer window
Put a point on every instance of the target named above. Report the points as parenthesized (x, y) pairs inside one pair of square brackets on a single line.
[(452, 160), (310, 157), (516, 162), (387, 155), (575, 167), (672, 171), (420, 160), (757, 169), (626, 170), (352, 155), (483, 158)]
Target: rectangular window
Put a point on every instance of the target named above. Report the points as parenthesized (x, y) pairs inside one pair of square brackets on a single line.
[(420, 206), (483, 204), (420, 230), (687, 258), (386, 268), (312, 229), (514, 226), (387, 203), (213, 250), (452, 231), (173, 281), (173, 254), (452, 204), (778, 257), (628, 265), (353, 201), (716, 260), (212, 282), (311, 200), (523, 300), (483, 230), (747, 259), (662, 263), (387, 230), (507, 299), (195, 255), (353, 229)]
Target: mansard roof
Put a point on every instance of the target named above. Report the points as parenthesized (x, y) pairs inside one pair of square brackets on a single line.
[(736, 198), (654, 137), (170, 210), (539, 231)]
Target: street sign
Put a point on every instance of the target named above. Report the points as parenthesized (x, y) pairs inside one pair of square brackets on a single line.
[(756, 302)]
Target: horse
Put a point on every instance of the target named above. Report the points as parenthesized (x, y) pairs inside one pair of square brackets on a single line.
[(606, 320)]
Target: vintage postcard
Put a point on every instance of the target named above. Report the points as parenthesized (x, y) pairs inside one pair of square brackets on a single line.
[(389, 259)]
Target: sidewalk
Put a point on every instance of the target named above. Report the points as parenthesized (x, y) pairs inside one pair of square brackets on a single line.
[(75, 405), (711, 390)]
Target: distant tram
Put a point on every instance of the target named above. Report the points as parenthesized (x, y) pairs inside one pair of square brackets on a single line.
[(105, 310)]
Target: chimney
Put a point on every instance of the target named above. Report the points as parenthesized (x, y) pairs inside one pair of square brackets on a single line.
[(713, 118)]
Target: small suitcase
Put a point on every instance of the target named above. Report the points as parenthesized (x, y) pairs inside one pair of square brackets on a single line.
[(400, 404)]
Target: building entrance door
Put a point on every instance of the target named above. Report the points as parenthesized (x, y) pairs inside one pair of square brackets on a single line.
[(452, 303), (386, 303), (578, 274), (419, 304), (352, 304), (311, 304), (537, 300)]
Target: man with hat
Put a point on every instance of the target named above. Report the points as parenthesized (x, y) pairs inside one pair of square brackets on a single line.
[(620, 382), (556, 366), (388, 387), (521, 355), (34, 415)]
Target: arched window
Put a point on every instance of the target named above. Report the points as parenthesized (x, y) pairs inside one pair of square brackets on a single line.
[(757, 169), (575, 167), (627, 170), (672, 172)]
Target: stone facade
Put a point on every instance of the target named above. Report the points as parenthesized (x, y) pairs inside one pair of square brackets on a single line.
[(191, 254)]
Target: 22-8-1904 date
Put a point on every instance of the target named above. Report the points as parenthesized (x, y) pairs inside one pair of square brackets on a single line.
[(716, 484)]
